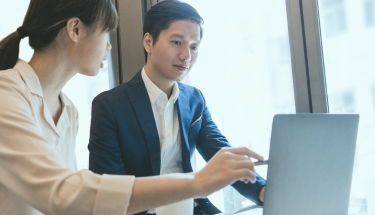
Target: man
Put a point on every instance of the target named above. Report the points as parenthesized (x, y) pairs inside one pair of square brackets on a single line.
[(152, 124)]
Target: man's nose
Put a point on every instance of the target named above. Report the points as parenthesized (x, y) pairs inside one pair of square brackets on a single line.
[(185, 54)]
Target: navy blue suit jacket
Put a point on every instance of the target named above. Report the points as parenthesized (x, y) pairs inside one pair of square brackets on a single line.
[(124, 139)]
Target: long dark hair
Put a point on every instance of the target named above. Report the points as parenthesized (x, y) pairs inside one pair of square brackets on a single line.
[(45, 18)]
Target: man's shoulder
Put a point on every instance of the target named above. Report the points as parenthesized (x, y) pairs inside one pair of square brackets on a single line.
[(190, 90), (120, 90), (193, 94), (119, 94), (113, 94)]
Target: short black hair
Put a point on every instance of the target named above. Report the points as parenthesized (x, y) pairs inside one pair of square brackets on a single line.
[(161, 15)]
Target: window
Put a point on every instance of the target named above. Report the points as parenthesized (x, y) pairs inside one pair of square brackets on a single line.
[(14, 13), (80, 89), (244, 72), (350, 77), (334, 14), (369, 12)]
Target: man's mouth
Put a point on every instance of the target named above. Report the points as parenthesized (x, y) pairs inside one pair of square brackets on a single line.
[(181, 67)]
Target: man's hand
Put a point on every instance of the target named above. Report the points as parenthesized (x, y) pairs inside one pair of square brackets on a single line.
[(261, 194), (226, 167)]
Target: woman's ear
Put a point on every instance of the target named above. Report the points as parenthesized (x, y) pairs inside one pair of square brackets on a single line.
[(74, 29), (147, 42)]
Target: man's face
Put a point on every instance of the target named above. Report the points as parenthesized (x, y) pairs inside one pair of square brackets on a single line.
[(176, 50)]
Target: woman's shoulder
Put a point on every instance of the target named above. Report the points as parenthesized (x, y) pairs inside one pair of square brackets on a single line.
[(21, 77), (11, 78), (15, 95)]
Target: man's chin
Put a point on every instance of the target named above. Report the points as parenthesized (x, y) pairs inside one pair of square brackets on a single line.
[(181, 77)]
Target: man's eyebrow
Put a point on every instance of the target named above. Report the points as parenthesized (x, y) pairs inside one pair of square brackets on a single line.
[(178, 35), (182, 37)]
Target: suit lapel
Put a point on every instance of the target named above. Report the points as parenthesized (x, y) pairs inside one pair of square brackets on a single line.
[(183, 107), (141, 104)]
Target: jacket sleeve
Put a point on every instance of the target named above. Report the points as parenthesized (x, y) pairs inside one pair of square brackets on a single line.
[(211, 140), (31, 169), (105, 153)]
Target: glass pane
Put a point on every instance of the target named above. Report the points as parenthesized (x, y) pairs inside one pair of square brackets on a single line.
[(348, 38), (244, 72), (12, 14), (80, 89)]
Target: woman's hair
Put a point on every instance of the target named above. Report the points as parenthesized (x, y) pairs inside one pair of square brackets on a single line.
[(45, 18)]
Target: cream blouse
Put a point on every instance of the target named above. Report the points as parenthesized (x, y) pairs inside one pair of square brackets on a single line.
[(37, 158)]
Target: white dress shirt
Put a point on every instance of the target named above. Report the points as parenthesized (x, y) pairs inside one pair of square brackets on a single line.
[(37, 157), (167, 124)]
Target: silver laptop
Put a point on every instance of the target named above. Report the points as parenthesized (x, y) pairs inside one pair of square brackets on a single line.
[(310, 165)]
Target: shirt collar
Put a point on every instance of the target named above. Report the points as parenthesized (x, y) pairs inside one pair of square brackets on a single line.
[(64, 120), (64, 100), (175, 92), (32, 82), (154, 92), (29, 76)]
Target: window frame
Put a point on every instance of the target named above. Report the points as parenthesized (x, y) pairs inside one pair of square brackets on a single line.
[(304, 39), (305, 49)]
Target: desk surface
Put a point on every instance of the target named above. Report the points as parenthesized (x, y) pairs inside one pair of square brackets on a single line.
[(255, 211), (249, 210)]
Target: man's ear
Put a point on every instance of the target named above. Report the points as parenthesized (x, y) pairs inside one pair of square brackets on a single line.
[(147, 42), (74, 28)]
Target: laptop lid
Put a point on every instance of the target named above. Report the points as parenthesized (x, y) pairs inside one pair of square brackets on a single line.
[(310, 164)]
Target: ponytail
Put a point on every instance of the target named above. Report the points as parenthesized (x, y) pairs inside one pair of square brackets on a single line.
[(9, 50), (45, 19)]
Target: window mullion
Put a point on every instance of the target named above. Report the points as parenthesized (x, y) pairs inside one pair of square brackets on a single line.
[(306, 56), (314, 53), (298, 61)]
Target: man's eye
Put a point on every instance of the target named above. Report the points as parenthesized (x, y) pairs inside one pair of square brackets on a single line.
[(194, 48), (177, 42)]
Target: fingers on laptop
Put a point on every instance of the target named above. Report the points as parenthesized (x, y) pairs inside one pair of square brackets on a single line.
[(246, 167), (226, 167), (240, 164), (244, 151), (247, 175)]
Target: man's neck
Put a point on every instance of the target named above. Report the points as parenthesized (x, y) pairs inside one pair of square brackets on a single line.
[(162, 83)]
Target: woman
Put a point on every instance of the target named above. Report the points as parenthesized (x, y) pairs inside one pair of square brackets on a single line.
[(38, 123)]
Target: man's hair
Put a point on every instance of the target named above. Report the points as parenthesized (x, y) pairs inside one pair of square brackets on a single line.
[(161, 16)]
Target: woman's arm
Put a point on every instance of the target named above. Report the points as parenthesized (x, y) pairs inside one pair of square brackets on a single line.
[(226, 167), (31, 170)]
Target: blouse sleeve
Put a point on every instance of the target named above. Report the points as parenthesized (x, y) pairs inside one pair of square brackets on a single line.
[(31, 169)]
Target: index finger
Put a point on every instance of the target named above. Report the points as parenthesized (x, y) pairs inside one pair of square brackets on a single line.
[(246, 151)]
